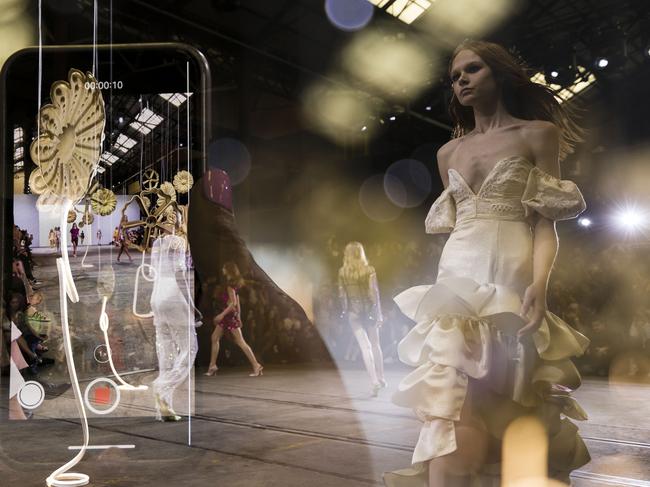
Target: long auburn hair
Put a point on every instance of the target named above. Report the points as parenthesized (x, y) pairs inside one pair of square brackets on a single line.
[(355, 262), (232, 276), (522, 97)]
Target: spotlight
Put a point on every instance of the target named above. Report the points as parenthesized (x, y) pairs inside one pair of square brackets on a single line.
[(559, 63), (560, 75), (428, 108), (120, 120), (602, 62), (584, 222), (631, 219), (646, 51), (392, 118), (364, 128)]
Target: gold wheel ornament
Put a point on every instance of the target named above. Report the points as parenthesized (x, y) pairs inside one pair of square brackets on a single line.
[(154, 220), (150, 180), (71, 130), (72, 216), (103, 202)]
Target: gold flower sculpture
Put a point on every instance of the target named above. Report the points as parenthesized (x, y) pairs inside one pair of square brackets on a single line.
[(67, 150), (87, 218), (183, 182), (166, 188), (103, 201), (72, 216)]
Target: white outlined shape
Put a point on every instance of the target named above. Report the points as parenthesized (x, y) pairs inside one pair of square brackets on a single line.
[(31, 395), (103, 325), (67, 289), (150, 278), (116, 402), (97, 354)]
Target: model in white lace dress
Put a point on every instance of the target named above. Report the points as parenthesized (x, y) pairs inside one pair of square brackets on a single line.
[(173, 317), (484, 346)]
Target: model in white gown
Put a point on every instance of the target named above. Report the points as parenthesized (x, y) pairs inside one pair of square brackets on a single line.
[(464, 346), (176, 342)]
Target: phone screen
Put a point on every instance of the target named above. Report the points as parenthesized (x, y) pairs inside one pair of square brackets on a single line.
[(130, 262)]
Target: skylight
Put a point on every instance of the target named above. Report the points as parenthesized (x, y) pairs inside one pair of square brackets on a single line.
[(124, 143), (584, 80), (146, 121), (108, 158), (19, 152), (101, 170), (18, 135), (405, 10), (176, 99)]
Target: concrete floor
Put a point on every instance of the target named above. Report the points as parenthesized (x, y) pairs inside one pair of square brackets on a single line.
[(295, 426)]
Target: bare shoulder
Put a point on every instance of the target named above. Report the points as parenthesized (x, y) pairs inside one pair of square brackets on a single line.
[(543, 140), (444, 153), (539, 129)]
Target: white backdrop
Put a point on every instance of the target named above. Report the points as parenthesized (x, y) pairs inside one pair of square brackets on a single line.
[(27, 217)]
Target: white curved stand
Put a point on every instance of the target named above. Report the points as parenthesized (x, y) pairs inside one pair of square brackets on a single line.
[(103, 324), (90, 242), (150, 278), (67, 289)]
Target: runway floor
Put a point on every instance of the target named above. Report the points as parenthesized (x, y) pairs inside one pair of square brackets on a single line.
[(298, 425)]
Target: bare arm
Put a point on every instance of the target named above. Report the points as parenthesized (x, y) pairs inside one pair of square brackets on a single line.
[(343, 297), (544, 140), (373, 290), (231, 305)]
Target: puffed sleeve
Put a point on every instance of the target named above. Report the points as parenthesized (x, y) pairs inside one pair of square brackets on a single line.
[(553, 198), (442, 215)]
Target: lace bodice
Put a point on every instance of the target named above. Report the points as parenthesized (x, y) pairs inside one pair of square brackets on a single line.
[(513, 190)]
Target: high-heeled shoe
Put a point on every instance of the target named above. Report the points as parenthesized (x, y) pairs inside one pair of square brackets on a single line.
[(166, 413), (383, 383), (257, 372), (211, 371), (375, 389)]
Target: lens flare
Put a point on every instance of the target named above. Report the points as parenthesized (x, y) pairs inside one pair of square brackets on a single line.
[(232, 156), (407, 183), (349, 15), (337, 113), (374, 202), (525, 450), (450, 22), (397, 66)]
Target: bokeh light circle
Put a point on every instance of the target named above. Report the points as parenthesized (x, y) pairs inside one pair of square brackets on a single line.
[(232, 156), (407, 183), (349, 15), (374, 202)]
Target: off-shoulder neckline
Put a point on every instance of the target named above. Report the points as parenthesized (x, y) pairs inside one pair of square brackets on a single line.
[(490, 172)]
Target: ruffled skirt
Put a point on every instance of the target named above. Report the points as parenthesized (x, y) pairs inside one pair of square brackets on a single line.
[(467, 359)]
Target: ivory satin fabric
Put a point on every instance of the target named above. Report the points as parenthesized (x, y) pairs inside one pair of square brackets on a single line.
[(465, 324)]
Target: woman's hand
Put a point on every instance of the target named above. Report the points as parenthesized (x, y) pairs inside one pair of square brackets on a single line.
[(533, 309)]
